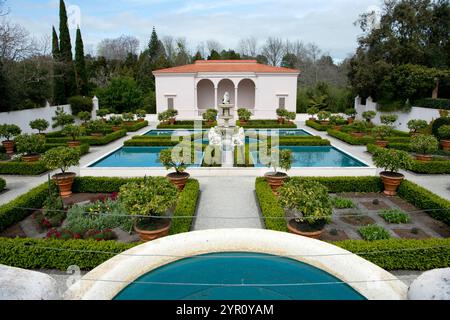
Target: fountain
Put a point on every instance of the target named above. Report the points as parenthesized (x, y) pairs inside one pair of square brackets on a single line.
[(226, 136)]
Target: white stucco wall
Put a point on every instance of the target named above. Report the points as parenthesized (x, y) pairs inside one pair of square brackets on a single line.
[(181, 88)]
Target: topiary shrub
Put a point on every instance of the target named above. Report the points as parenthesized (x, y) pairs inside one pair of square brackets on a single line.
[(39, 124), (424, 144), (30, 144), (416, 125), (437, 124), (2, 184), (79, 104)]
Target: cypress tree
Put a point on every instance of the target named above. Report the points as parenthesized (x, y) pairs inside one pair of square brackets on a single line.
[(154, 48), (198, 56), (80, 65), (58, 80), (65, 49), (5, 90)]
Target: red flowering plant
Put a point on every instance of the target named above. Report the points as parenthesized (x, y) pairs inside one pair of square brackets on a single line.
[(100, 235), (62, 234)]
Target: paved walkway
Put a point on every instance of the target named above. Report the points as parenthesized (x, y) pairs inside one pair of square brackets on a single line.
[(230, 197), (439, 184)]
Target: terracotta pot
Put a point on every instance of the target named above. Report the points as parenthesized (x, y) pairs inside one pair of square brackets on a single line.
[(243, 122), (146, 235), (9, 146), (312, 234), (324, 123), (73, 144), (128, 123), (178, 179), (172, 120), (211, 123), (97, 135), (275, 181), (64, 181), (280, 121), (116, 128), (31, 158), (141, 120), (445, 145), (424, 157), (337, 128), (350, 120), (391, 182), (358, 134), (312, 119), (381, 143)]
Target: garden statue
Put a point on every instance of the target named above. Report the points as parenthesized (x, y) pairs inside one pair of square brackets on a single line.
[(226, 98), (239, 138), (215, 137)]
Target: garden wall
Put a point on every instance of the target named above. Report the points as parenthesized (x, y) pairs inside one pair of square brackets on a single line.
[(426, 114)]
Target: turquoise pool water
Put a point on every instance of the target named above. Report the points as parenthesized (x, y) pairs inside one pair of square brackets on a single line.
[(139, 157), (320, 156), (267, 273), (281, 132)]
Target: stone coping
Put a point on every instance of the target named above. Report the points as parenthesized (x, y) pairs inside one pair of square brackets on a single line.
[(371, 281)]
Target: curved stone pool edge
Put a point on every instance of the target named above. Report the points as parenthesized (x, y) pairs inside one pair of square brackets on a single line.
[(365, 277)]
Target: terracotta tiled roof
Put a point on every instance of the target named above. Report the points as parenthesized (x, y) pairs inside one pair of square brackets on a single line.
[(226, 66)]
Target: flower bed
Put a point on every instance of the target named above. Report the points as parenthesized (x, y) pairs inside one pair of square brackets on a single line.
[(266, 124)]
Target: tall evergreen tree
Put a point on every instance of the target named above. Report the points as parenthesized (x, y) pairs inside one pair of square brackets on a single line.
[(198, 56), (65, 49), (80, 65), (154, 48), (59, 95), (214, 55), (5, 91)]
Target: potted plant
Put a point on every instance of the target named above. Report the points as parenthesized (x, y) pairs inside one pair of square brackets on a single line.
[(141, 114), (351, 113), (97, 128), (30, 146), (310, 204), (324, 117), (102, 113), (381, 133), (278, 159), (62, 158), (359, 128), (388, 119), (416, 125), (312, 112), (116, 122), (128, 118), (163, 117), (176, 159), (281, 113), (40, 125), (210, 116), (147, 201), (369, 115), (62, 118), (444, 135), (424, 146), (244, 116), (172, 114), (335, 121), (9, 131), (392, 161), (84, 116), (290, 116), (74, 132)]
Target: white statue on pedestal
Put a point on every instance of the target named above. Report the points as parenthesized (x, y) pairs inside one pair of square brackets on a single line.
[(239, 138), (226, 98), (215, 137)]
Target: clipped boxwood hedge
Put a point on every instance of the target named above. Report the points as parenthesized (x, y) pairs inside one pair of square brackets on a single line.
[(93, 141), (184, 125), (149, 143), (2, 184), (186, 206), (433, 103), (346, 137), (266, 124), (135, 127), (316, 125), (272, 212)]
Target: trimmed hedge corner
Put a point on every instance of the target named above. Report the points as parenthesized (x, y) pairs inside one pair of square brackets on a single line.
[(135, 127), (186, 206), (93, 141), (2, 184), (272, 212), (315, 125)]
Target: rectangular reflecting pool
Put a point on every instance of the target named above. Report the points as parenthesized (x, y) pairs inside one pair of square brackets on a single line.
[(320, 156), (182, 132)]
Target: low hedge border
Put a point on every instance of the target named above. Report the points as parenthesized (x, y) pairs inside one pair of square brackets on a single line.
[(435, 166), (350, 139), (316, 126), (186, 206), (149, 143), (184, 125), (93, 141), (271, 211), (135, 127), (266, 124), (2, 184)]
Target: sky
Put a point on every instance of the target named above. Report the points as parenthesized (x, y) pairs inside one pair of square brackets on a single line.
[(328, 23)]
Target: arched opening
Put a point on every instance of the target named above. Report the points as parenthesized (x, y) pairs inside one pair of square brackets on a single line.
[(205, 95), (225, 85), (246, 94)]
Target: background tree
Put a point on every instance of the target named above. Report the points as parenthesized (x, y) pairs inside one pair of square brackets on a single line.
[(65, 49), (58, 89), (274, 50), (80, 65)]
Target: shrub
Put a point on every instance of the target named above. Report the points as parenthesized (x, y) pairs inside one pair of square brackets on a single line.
[(416, 125), (291, 116), (85, 116), (424, 144), (61, 158), (128, 116), (395, 216), (369, 115), (22, 168), (437, 124), (115, 121), (382, 132), (73, 131), (312, 111), (349, 138), (39, 124), (374, 232), (30, 143), (272, 212), (281, 113), (351, 112), (244, 114), (140, 113), (121, 95), (359, 126), (61, 118), (176, 158), (444, 132), (9, 131), (310, 199), (316, 125), (136, 126), (343, 203), (211, 115), (433, 103), (97, 126), (388, 119), (102, 113), (392, 160), (323, 115), (279, 159), (186, 207), (336, 120), (79, 104), (2, 184), (265, 124), (172, 113)]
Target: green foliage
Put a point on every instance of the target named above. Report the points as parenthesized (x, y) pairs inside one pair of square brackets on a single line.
[(121, 95), (186, 207), (115, 121), (349, 138), (80, 65), (416, 125), (309, 199), (388, 119), (150, 143), (323, 115), (395, 216), (343, 203), (153, 196), (369, 115), (128, 116), (244, 114), (30, 143), (281, 112), (177, 158), (290, 116), (359, 126), (102, 112), (73, 131), (141, 113), (347, 184), (9, 131), (61, 118), (61, 158), (211, 115), (382, 131), (136, 126), (272, 212), (22, 168), (312, 111), (85, 116), (337, 120), (279, 159), (93, 141), (317, 126), (444, 132), (2, 184), (424, 144), (39, 124), (163, 116), (433, 103), (374, 232), (392, 160), (97, 126), (79, 104), (266, 124), (437, 124), (351, 112)]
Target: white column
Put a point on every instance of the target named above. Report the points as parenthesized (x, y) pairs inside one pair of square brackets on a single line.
[(196, 102), (95, 107), (236, 103), (216, 105)]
